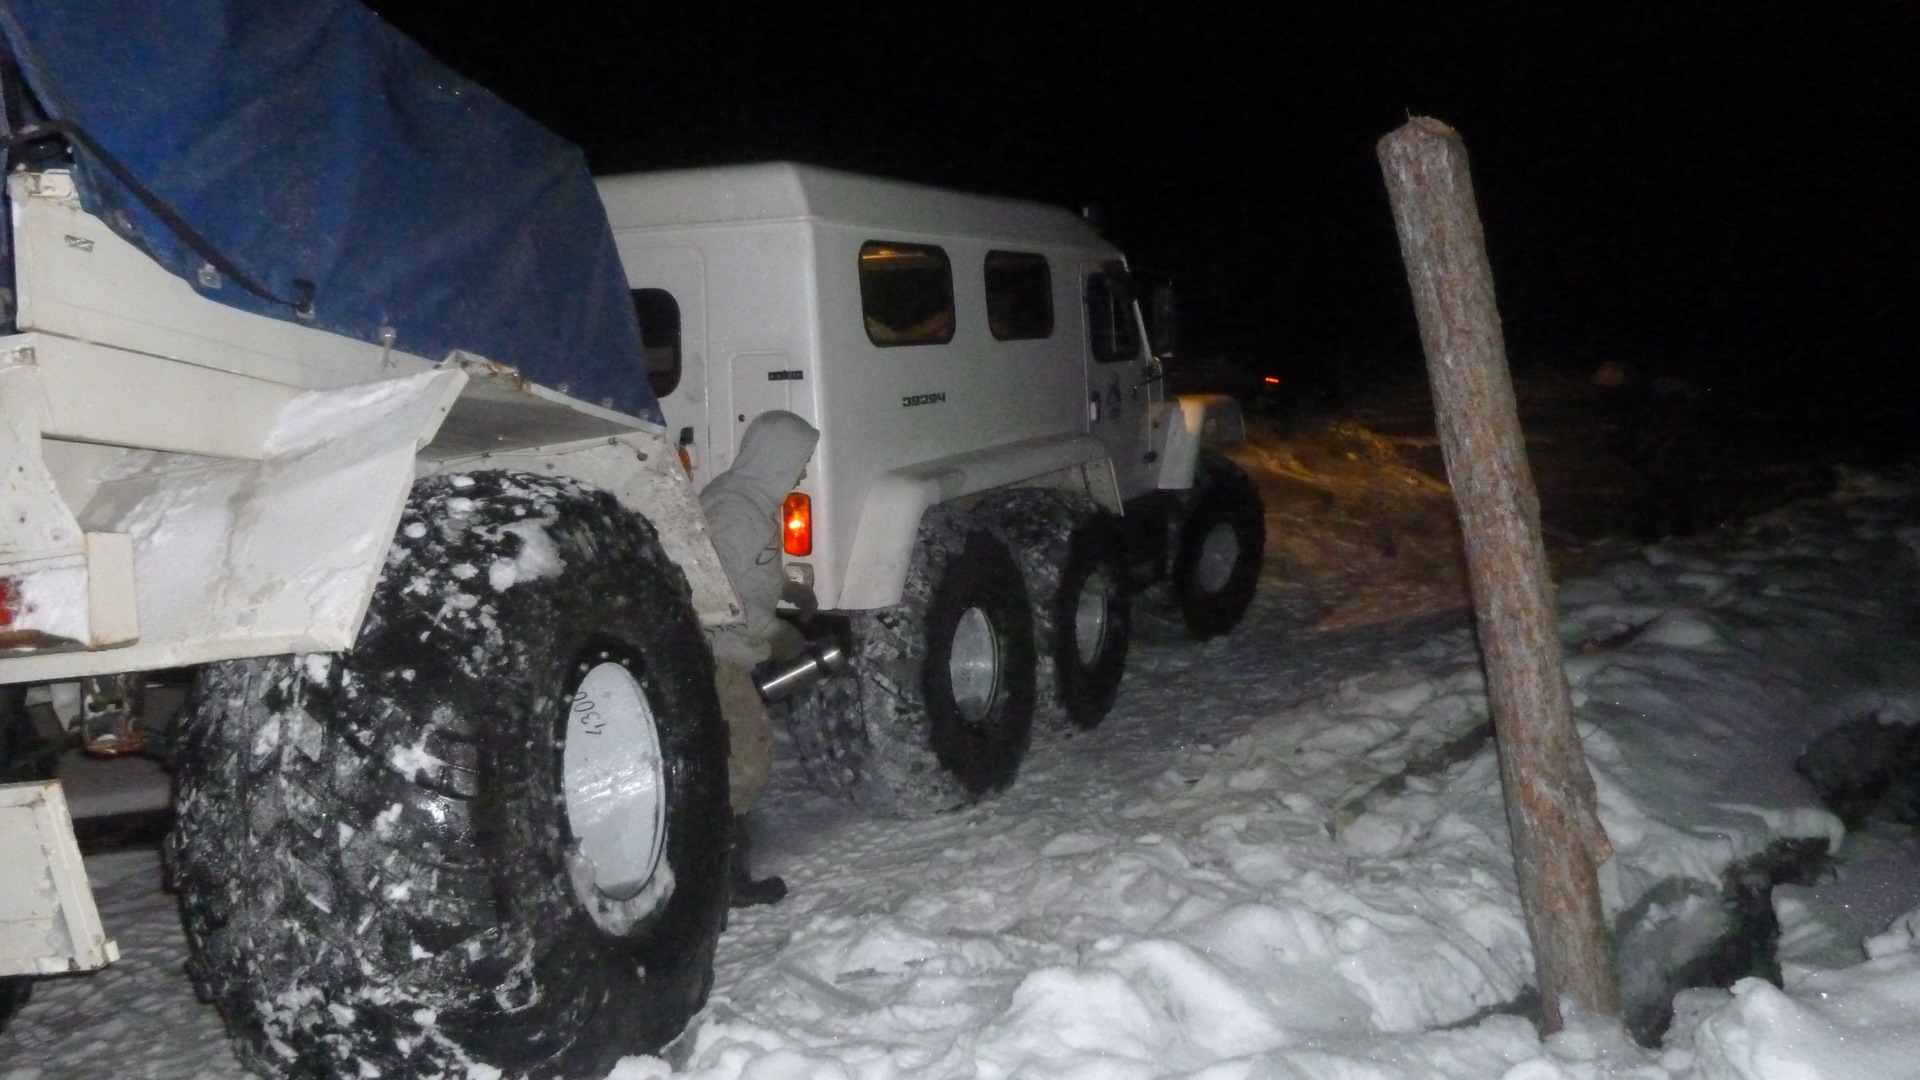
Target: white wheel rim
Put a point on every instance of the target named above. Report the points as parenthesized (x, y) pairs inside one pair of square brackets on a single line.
[(1218, 554), (1090, 618), (973, 665), (614, 782)]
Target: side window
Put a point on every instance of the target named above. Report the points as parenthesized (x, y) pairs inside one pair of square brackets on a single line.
[(906, 293), (659, 315), (1112, 332), (1019, 295)]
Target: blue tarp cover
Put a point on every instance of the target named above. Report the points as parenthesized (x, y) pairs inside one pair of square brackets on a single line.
[(306, 140)]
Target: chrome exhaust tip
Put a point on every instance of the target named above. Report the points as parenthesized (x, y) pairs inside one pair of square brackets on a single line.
[(817, 661)]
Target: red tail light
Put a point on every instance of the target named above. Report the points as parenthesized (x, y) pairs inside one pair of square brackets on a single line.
[(796, 524), (9, 596)]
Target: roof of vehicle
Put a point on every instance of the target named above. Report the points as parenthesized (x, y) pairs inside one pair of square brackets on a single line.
[(785, 191)]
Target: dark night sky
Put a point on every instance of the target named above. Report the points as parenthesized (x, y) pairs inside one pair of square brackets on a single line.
[(1728, 189)]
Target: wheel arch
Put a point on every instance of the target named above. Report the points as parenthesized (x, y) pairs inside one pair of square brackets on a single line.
[(882, 550), (1190, 423)]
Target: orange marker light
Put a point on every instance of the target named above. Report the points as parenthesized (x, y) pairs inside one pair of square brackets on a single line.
[(1273, 380), (796, 524)]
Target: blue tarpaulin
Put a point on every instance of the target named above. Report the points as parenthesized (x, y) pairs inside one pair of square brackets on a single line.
[(320, 152)]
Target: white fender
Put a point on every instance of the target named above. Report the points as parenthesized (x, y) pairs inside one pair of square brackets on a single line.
[(1190, 422), (271, 552), (890, 517)]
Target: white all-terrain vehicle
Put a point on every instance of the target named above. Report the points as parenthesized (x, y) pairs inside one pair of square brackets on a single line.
[(322, 378), (998, 472)]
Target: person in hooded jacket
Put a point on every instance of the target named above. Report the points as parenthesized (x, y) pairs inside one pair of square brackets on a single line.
[(742, 508)]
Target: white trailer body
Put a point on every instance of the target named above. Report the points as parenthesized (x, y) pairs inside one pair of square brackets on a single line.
[(194, 483)]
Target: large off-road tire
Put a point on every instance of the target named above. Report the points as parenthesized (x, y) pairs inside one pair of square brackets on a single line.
[(1222, 540), (935, 708), (1072, 559), (494, 834), (1092, 621)]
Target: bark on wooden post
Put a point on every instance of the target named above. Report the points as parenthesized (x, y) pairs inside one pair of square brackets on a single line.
[(1557, 838)]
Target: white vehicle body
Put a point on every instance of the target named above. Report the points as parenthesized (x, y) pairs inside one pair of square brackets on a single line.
[(764, 266)]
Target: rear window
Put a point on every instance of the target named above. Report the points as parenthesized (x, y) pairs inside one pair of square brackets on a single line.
[(1019, 295), (659, 315), (906, 293)]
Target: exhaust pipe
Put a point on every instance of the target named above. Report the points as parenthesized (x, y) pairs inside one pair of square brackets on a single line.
[(817, 661)]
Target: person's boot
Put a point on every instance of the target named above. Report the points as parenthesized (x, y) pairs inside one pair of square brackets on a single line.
[(746, 891)]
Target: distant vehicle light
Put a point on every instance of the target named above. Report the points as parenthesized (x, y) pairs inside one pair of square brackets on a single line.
[(1271, 380), (796, 524)]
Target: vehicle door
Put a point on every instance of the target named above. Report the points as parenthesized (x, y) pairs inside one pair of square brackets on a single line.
[(1121, 378)]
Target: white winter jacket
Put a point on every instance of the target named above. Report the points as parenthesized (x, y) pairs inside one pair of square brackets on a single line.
[(742, 507)]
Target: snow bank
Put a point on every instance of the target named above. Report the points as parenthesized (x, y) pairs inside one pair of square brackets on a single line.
[(1330, 893)]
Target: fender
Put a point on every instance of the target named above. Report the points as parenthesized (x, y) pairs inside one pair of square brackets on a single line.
[(186, 557), (890, 516), (1192, 421)]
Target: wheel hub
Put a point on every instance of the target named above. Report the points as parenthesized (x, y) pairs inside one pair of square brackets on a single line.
[(1090, 618), (1218, 554), (614, 781), (973, 666)]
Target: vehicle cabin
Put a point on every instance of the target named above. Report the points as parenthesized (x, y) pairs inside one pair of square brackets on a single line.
[(911, 325)]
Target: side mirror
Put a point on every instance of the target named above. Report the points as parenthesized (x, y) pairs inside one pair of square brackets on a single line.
[(1163, 322)]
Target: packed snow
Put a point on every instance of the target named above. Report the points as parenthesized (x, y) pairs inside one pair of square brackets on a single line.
[(1285, 853)]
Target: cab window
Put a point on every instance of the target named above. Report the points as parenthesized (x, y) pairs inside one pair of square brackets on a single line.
[(659, 315), (1019, 295), (1112, 332), (906, 293)]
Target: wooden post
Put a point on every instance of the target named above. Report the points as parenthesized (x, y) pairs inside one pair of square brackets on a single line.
[(1557, 838)]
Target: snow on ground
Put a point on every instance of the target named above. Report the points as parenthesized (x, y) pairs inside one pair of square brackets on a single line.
[(1228, 889), (1284, 854)]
